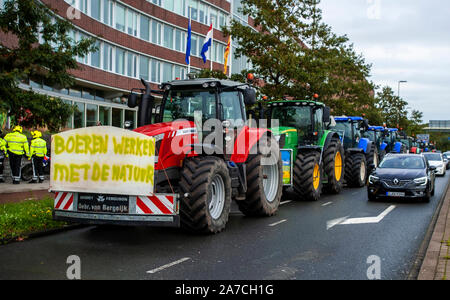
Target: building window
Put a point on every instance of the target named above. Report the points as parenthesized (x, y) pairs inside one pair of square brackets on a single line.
[(194, 49), (167, 72), (95, 56), (107, 57), (95, 9), (120, 61), (168, 37), (144, 32), (91, 115), (131, 22), (131, 64), (120, 17), (78, 116), (130, 116), (104, 115), (156, 32), (117, 117), (180, 7), (193, 9), (107, 12), (156, 73), (143, 67)]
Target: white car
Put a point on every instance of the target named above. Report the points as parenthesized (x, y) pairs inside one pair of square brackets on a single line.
[(437, 160)]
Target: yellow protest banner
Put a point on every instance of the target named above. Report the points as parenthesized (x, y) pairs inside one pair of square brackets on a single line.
[(103, 159)]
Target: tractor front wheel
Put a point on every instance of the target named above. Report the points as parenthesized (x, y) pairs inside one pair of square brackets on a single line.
[(356, 170), (333, 161), (206, 189), (308, 176), (264, 181)]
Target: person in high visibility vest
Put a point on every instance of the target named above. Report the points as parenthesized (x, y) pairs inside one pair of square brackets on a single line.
[(38, 150), (3, 155), (17, 146)]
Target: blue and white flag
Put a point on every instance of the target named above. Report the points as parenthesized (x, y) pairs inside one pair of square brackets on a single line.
[(208, 42)]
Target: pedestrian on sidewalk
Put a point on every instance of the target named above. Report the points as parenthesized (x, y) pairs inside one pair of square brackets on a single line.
[(38, 150), (3, 155), (17, 146)]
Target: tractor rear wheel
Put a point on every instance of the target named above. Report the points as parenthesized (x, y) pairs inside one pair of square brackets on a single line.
[(333, 162), (308, 176), (264, 181), (206, 183), (356, 170)]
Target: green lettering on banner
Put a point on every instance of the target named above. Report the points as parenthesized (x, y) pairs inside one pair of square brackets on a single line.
[(59, 144), (62, 170)]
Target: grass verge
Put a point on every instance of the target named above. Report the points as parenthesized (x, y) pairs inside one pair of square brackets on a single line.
[(18, 220)]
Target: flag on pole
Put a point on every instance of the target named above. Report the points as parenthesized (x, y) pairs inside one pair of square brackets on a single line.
[(208, 42), (188, 42), (226, 55)]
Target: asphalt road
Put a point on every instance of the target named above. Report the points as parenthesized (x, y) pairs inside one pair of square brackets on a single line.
[(305, 240)]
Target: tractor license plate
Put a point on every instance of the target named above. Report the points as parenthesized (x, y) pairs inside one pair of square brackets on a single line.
[(395, 194), (103, 203)]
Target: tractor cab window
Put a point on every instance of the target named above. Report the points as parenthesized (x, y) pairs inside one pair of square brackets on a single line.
[(318, 121), (232, 109), (298, 117), (183, 104), (344, 129)]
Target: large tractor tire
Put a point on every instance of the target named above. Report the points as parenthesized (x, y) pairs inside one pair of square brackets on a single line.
[(372, 158), (264, 181), (308, 176), (333, 165), (206, 183), (356, 170)]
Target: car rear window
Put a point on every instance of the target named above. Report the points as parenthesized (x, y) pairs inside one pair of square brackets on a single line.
[(402, 162), (433, 157)]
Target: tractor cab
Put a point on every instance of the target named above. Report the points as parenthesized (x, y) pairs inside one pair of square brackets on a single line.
[(392, 139), (300, 123), (375, 135), (351, 130)]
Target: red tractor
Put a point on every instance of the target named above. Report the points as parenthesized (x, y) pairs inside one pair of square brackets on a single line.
[(207, 153)]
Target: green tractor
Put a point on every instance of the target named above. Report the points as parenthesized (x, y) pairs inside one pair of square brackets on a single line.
[(312, 155)]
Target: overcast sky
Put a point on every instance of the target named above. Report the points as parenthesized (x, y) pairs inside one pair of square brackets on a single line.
[(403, 40)]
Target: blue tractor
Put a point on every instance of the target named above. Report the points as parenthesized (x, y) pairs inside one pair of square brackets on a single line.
[(375, 134), (391, 139), (360, 152)]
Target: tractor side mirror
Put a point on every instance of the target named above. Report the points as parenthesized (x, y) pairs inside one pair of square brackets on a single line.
[(132, 100), (326, 114), (249, 96)]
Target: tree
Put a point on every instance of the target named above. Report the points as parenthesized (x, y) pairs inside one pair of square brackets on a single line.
[(393, 108), (43, 52), (415, 125), (298, 55)]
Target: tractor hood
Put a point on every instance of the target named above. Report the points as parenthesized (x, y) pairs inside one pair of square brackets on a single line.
[(162, 128)]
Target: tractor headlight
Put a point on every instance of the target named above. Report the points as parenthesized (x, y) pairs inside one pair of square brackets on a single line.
[(421, 180)]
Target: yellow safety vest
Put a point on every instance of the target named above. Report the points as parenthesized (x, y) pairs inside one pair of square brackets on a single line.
[(3, 147), (38, 147), (17, 143)]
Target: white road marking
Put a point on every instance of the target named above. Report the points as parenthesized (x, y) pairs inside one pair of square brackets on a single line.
[(335, 222), (367, 220), (328, 203), (285, 202), (276, 223), (169, 265)]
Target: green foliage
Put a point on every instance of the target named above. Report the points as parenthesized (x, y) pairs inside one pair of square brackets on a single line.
[(393, 108), (44, 52), (20, 219)]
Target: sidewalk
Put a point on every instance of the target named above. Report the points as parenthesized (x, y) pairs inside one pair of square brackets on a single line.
[(436, 265), (19, 192)]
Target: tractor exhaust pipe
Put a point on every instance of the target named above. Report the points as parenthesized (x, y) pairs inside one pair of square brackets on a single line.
[(145, 105)]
